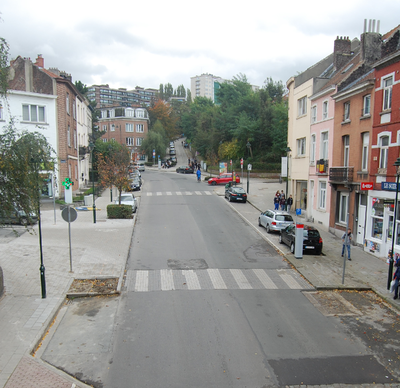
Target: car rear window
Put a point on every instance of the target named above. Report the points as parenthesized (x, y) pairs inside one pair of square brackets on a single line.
[(282, 217), (239, 190), (311, 233)]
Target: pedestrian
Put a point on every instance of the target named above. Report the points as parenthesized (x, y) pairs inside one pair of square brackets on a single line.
[(276, 201), (396, 278), (289, 202), (282, 201), (188, 161), (198, 175), (346, 240)]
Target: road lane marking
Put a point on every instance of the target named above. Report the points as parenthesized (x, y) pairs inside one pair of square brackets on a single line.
[(290, 281), (192, 280), (198, 193), (169, 193), (159, 193), (142, 281), (167, 280), (264, 279), (240, 279)]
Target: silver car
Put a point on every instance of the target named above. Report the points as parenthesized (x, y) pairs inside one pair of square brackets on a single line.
[(275, 220), (128, 199)]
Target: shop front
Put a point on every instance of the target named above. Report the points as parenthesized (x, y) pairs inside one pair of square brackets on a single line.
[(379, 226)]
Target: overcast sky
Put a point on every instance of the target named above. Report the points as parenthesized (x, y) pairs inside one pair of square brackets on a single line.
[(144, 43)]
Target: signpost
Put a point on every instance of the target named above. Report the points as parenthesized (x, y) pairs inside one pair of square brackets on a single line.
[(241, 166), (69, 215), (249, 166)]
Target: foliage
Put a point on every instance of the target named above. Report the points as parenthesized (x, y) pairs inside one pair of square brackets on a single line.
[(156, 140), (162, 111), (119, 211), (82, 88), (22, 156), (4, 49), (112, 165)]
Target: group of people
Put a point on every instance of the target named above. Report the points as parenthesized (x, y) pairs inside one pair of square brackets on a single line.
[(281, 202), (194, 164)]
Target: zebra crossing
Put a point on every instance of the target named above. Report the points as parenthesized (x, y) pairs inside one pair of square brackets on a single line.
[(214, 279), (178, 193)]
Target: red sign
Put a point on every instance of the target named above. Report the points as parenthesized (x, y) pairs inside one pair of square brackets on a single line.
[(367, 185), (241, 162)]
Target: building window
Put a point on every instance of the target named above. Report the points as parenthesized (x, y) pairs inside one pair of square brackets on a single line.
[(346, 116), (139, 141), (343, 204), (322, 195), (33, 113), (105, 140), (346, 150), (112, 127), (75, 139), (325, 110), (105, 128), (367, 105), (377, 219), (140, 113), (128, 127), (74, 110), (364, 156), (383, 157), (130, 141), (312, 149), (69, 171), (69, 136), (301, 146), (387, 93), (302, 106), (139, 128), (324, 145), (67, 102), (76, 172), (314, 114)]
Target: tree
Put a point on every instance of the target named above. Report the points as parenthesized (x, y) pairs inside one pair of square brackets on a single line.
[(82, 88), (162, 111), (181, 91), (4, 49), (168, 91), (156, 140), (112, 164), (22, 156)]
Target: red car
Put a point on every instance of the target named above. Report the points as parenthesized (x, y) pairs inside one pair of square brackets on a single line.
[(223, 179)]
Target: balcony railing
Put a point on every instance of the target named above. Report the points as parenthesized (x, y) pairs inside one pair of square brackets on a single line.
[(322, 166), (341, 174)]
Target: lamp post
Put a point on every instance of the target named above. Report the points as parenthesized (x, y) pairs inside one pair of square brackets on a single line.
[(91, 146), (287, 170), (391, 261), (248, 145), (36, 162)]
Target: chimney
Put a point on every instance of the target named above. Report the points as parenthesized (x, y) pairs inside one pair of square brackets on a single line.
[(371, 42), (341, 51), (39, 61)]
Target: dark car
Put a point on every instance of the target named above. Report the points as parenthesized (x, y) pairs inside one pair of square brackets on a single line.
[(17, 217), (236, 194), (312, 240), (185, 170)]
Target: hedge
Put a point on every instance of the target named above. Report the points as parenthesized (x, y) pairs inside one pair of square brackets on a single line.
[(119, 211)]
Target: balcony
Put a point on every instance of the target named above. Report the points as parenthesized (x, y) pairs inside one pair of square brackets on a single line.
[(322, 167), (341, 174)]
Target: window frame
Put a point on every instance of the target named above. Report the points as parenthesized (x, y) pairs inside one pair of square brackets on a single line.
[(322, 192), (387, 93), (364, 151), (383, 151), (346, 150), (69, 136), (302, 106), (346, 111), (301, 146), (324, 154), (343, 195), (365, 105), (139, 128), (129, 127), (313, 148), (325, 110), (313, 114), (67, 103), (38, 114)]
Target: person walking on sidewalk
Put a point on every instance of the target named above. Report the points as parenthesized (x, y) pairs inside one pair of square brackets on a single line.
[(346, 240), (396, 278), (289, 203), (276, 201), (198, 175)]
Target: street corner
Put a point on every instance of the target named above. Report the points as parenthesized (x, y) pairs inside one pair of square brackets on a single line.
[(93, 287)]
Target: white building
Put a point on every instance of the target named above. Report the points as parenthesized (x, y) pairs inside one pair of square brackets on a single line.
[(205, 85)]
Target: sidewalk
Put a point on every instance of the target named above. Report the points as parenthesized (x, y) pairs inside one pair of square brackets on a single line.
[(98, 250)]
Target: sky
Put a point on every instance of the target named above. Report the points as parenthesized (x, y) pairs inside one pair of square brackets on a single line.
[(147, 43)]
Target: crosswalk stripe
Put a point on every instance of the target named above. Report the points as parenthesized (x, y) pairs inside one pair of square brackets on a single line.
[(189, 193), (142, 281), (159, 193), (214, 279), (169, 193), (191, 279), (149, 194), (198, 193), (208, 193), (178, 193), (264, 279), (240, 279)]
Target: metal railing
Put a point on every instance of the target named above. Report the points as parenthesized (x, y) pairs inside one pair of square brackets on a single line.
[(341, 174)]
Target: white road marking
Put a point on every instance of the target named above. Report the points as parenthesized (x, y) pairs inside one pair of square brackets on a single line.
[(169, 193), (198, 193), (240, 279), (265, 279), (159, 193), (192, 280), (291, 282), (167, 281), (142, 281), (178, 193), (216, 279)]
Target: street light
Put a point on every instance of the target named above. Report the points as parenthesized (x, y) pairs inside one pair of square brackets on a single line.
[(37, 161), (91, 147), (248, 145), (391, 261), (287, 172)]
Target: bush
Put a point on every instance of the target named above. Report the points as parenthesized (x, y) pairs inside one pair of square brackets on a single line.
[(119, 211), (148, 164)]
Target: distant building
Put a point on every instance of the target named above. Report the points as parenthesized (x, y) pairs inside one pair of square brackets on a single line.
[(106, 96)]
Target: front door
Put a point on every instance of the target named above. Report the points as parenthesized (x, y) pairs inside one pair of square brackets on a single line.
[(362, 208)]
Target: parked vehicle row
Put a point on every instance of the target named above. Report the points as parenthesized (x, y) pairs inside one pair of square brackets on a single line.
[(237, 194)]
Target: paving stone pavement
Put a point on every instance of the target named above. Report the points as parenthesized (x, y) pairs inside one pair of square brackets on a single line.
[(101, 249)]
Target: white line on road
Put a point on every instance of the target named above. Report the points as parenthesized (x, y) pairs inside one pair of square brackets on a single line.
[(241, 280), (142, 281), (167, 281), (192, 280), (265, 279), (216, 279), (291, 282)]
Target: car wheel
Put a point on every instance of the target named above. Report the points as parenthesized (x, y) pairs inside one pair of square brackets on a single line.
[(244, 201), (268, 228), (213, 183), (318, 251), (280, 239), (292, 247)]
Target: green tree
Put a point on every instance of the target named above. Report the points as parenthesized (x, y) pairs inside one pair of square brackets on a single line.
[(168, 91), (156, 140), (4, 50), (82, 88), (181, 91)]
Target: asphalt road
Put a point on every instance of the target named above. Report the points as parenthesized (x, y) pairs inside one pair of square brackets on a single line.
[(206, 303)]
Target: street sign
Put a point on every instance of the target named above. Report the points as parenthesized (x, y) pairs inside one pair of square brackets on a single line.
[(72, 216), (241, 162), (249, 166), (368, 185), (298, 212)]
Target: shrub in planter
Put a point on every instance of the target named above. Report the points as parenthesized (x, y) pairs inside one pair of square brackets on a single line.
[(119, 211)]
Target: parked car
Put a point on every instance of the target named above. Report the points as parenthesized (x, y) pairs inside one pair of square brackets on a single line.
[(173, 160), (128, 199), (139, 166), (236, 194), (185, 170), (172, 151), (222, 179), (17, 217), (135, 183), (275, 220), (312, 240)]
